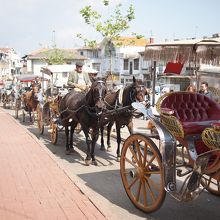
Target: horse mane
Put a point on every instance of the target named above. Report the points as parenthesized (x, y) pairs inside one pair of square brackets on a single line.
[(126, 97)]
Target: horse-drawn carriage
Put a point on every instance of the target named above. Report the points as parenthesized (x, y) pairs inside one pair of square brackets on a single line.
[(188, 136), (28, 98), (8, 95)]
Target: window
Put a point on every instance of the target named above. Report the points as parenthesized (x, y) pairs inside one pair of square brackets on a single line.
[(95, 54), (136, 64), (125, 64), (64, 74), (81, 53)]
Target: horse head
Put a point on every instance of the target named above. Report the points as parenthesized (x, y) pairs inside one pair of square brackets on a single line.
[(35, 91), (135, 92), (95, 96)]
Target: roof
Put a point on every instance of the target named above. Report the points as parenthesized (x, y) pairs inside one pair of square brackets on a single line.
[(131, 41), (64, 68), (67, 54), (6, 49)]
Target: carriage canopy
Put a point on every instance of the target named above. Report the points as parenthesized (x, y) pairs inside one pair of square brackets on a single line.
[(205, 51)]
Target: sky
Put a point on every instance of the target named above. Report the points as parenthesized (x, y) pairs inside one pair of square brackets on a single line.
[(28, 25)]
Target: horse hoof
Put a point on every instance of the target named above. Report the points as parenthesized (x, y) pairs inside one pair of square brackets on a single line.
[(87, 162), (102, 148), (94, 163), (118, 159), (109, 149), (72, 150), (68, 152)]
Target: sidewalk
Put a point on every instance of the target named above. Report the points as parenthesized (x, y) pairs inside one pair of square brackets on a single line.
[(32, 186)]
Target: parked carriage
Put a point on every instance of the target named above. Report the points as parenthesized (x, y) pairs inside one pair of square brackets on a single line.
[(24, 86), (188, 132)]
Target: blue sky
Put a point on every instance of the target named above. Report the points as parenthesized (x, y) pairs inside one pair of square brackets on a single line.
[(28, 25)]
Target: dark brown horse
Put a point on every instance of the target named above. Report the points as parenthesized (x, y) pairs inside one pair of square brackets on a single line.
[(119, 104), (86, 109), (30, 101)]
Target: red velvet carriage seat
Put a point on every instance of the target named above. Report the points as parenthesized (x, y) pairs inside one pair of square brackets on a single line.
[(190, 113)]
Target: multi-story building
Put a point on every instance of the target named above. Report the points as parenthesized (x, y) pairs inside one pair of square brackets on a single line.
[(120, 57), (10, 63)]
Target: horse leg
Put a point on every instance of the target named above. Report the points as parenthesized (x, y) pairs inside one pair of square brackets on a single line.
[(95, 135), (67, 139), (118, 130), (29, 110), (73, 126), (102, 138), (109, 128), (88, 142)]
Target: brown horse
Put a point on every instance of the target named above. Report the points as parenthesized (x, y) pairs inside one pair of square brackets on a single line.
[(122, 111), (86, 109), (30, 101), (8, 98)]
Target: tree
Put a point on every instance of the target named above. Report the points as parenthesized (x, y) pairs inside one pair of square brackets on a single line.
[(111, 28), (55, 56)]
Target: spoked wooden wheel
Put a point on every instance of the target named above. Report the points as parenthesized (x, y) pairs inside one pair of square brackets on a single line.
[(23, 115), (53, 133), (17, 107), (142, 173), (40, 122), (211, 184)]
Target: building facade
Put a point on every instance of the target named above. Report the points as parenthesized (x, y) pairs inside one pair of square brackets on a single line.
[(10, 63)]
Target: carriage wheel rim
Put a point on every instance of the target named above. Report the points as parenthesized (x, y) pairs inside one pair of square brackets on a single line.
[(211, 184), (148, 195), (54, 133)]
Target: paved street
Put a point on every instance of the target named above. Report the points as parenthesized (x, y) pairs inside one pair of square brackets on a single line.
[(102, 184)]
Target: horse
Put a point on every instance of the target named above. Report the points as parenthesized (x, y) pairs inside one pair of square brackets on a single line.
[(8, 97), (86, 109), (119, 104), (30, 101)]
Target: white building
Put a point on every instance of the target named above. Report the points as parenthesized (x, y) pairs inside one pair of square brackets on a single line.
[(42, 58), (10, 63), (120, 57)]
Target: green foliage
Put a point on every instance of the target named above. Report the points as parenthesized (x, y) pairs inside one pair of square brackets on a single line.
[(138, 36), (55, 56), (112, 27)]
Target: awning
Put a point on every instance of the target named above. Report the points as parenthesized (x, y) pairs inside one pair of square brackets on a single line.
[(30, 77), (50, 69), (173, 68), (201, 50)]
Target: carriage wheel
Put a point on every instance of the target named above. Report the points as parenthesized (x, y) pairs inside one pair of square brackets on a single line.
[(142, 176), (53, 133), (211, 184), (23, 116), (40, 122), (17, 107), (16, 111), (78, 128)]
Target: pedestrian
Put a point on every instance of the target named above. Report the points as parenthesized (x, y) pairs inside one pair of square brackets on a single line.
[(205, 90), (191, 88), (78, 79)]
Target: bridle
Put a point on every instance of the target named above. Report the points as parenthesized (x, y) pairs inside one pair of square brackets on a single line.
[(100, 96), (134, 91)]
